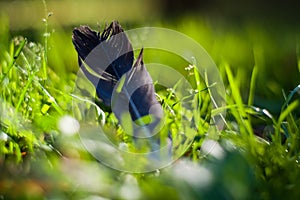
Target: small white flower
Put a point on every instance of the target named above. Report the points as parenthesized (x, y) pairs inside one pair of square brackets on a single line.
[(3, 136), (68, 125)]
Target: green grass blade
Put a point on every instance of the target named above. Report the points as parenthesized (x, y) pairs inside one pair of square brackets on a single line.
[(22, 96), (198, 83), (14, 56), (298, 55), (240, 113), (252, 86), (284, 114)]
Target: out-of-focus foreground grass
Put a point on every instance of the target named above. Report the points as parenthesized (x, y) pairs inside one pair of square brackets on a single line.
[(259, 62)]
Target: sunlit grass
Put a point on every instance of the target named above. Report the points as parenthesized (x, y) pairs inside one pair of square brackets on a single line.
[(260, 150)]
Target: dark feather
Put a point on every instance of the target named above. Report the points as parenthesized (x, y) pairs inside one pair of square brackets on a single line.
[(113, 49), (106, 58), (143, 97), (108, 55), (137, 94)]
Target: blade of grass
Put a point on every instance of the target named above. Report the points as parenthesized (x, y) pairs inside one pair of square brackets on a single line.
[(214, 102), (46, 36), (252, 86), (291, 95), (198, 83), (52, 99), (298, 55), (100, 112), (22, 96), (240, 114), (284, 114), (14, 56), (288, 99)]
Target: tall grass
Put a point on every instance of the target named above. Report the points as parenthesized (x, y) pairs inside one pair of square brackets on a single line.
[(260, 148)]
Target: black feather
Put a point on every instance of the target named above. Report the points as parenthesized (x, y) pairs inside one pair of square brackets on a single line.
[(144, 96), (110, 55)]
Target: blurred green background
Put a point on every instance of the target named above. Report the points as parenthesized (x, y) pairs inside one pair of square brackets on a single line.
[(27, 14), (240, 34), (243, 33)]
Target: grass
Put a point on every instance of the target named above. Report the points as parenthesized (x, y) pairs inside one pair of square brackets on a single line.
[(260, 147)]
